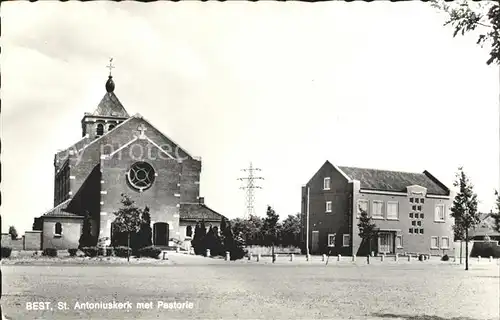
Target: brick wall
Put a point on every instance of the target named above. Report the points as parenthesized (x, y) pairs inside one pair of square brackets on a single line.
[(335, 222), (162, 197), (71, 231), (33, 240), (412, 243), (190, 179)]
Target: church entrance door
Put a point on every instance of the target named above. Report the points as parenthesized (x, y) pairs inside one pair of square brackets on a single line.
[(160, 234)]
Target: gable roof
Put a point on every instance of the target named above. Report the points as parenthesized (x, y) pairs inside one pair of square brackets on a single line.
[(58, 211), (197, 212), (396, 181), (136, 116), (110, 106)]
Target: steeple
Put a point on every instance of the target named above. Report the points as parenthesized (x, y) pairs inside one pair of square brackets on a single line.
[(109, 112), (110, 85)]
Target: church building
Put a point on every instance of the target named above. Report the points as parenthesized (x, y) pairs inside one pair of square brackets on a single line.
[(122, 154)]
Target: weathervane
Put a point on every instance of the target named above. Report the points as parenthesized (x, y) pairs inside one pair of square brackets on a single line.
[(110, 66)]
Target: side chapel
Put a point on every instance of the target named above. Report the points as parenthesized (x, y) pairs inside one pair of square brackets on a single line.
[(122, 154)]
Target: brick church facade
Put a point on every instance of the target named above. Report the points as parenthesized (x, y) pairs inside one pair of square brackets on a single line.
[(122, 154)]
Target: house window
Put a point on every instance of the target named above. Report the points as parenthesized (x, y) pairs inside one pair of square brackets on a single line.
[(421, 231), (399, 242), (111, 127), (346, 239), (189, 231), (331, 240), (419, 223), (326, 183), (328, 206), (422, 200), (411, 200), (439, 212), (58, 229), (421, 216), (445, 242), (362, 206), (434, 243), (377, 209), (410, 230), (100, 129), (414, 208), (419, 208), (413, 223), (411, 215), (392, 210)]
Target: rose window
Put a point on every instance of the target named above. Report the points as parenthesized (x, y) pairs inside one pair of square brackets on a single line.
[(141, 176)]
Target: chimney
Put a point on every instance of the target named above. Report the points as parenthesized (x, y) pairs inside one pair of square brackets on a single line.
[(201, 200)]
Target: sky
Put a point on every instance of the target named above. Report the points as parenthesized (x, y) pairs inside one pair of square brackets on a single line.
[(284, 85)]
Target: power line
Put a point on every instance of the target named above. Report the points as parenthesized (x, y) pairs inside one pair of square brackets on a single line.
[(250, 187)]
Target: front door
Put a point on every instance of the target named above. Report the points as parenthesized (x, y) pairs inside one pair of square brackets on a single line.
[(160, 234), (385, 242), (315, 242)]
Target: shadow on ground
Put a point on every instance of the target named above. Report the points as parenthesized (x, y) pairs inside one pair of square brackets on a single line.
[(419, 317)]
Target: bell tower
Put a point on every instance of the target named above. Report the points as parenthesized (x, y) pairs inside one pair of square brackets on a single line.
[(109, 113)]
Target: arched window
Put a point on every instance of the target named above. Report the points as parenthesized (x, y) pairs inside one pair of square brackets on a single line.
[(100, 129), (189, 231), (58, 228), (111, 127)]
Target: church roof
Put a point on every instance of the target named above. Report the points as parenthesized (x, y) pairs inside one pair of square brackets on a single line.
[(58, 211), (110, 106), (198, 212)]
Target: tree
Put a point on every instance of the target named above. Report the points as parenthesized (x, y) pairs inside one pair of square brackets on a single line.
[(234, 246), (496, 216), (464, 210), (367, 229), (212, 242), (270, 226), (86, 239), (145, 233), (13, 233), (250, 229), (128, 219), (290, 230), (467, 16), (198, 241)]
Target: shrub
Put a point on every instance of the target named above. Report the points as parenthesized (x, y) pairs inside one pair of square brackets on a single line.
[(445, 258), (150, 252), (420, 257), (110, 252), (90, 251), (6, 251), (122, 251), (49, 252), (72, 252)]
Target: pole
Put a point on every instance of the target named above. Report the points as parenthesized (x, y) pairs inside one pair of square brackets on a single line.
[(307, 222), (461, 251), (466, 249), (128, 247)]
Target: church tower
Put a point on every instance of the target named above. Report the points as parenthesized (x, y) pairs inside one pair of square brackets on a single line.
[(109, 113)]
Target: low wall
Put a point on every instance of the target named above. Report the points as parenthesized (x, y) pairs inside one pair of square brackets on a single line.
[(16, 244), (32, 240), (263, 250)]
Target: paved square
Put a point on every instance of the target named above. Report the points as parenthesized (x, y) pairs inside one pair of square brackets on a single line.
[(250, 290)]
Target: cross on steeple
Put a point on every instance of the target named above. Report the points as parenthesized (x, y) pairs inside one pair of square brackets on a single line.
[(141, 129), (110, 66)]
